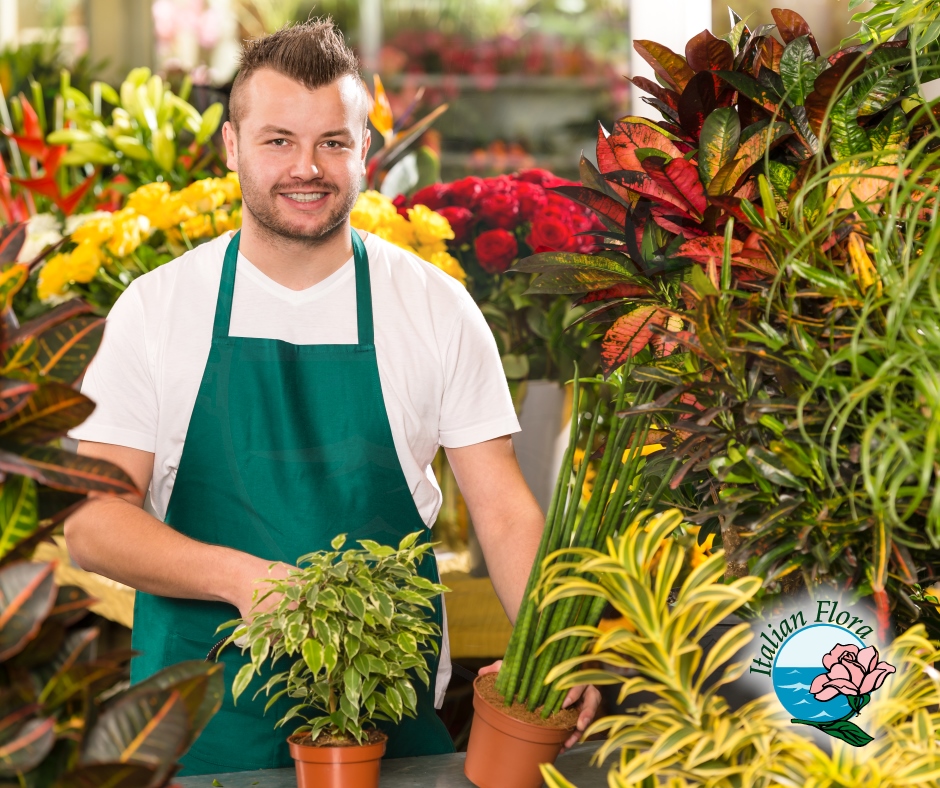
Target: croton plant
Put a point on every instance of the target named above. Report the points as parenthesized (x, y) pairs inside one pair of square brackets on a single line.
[(62, 721), (748, 243)]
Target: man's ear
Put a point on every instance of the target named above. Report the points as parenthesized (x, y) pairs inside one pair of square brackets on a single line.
[(230, 138), (366, 144)]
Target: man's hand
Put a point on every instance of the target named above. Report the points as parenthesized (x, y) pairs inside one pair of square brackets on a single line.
[(245, 602), (588, 695)]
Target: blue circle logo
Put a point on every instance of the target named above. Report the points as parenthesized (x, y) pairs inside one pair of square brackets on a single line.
[(800, 662)]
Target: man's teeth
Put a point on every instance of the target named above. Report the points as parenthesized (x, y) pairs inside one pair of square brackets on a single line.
[(305, 197)]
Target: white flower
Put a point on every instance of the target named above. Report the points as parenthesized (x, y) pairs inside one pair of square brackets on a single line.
[(42, 230)]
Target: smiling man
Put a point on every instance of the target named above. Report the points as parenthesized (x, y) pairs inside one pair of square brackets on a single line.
[(276, 388)]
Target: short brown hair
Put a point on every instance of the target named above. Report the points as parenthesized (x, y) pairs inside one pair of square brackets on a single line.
[(313, 53)]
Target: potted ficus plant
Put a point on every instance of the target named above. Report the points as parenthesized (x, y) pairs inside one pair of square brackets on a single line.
[(349, 633)]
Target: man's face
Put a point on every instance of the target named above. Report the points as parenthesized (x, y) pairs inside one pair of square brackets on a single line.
[(299, 153)]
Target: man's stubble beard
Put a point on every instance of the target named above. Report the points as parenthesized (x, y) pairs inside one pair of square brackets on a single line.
[(263, 209)]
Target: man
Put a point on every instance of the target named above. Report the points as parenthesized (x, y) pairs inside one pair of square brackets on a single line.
[(294, 382)]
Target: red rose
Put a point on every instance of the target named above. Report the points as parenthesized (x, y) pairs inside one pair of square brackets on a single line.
[(500, 209), (401, 205), (539, 176), (548, 232), (461, 221), (496, 249), (532, 199), (467, 192), (435, 196)]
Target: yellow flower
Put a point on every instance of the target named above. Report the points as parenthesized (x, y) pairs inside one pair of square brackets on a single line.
[(427, 251), (130, 229), (84, 262), (204, 196), (97, 231), (231, 187), (429, 226), (146, 198), (372, 211), (199, 227), (449, 265), (53, 277), (398, 231)]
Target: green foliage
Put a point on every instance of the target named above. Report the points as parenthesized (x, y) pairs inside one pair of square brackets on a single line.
[(353, 626), (687, 735), (888, 18), (152, 133)]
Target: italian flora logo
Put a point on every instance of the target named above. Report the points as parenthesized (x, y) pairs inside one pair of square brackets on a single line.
[(822, 671)]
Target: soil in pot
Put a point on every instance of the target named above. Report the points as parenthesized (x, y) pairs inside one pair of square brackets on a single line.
[(507, 743), (333, 762)]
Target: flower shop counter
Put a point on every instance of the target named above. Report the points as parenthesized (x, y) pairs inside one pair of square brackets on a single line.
[(439, 771)]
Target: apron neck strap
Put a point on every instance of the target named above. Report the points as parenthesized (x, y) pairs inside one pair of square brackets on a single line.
[(364, 325)]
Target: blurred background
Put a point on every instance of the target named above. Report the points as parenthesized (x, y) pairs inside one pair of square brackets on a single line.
[(525, 80)]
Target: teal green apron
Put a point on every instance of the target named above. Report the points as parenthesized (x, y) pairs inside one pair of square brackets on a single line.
[(288, 445)]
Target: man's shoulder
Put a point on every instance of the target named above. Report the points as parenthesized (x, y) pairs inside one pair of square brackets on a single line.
[(188, 274)]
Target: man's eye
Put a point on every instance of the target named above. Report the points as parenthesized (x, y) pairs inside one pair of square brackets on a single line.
[(278, 143)]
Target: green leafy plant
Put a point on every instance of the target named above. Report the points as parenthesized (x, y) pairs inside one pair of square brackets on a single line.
[(351, 629), (687, 734), (152, 134), (889, 18), (617, 492)]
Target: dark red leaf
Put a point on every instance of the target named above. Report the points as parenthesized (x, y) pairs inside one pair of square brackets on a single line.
[(14, 394), (39, 325), (642, 184), (28, 145), (791, 26), (670, 66), (12, 238), (771, 50), (705, 52), (629, 335), (612, 213), (617, 291), (676, 224), (681, 178), (697, 102), (668, 97)]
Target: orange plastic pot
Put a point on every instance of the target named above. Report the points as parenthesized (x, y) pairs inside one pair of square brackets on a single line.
[(504, 752), (337, 767)]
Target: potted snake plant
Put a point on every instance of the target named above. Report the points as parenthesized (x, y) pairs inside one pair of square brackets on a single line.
[(347, 636)]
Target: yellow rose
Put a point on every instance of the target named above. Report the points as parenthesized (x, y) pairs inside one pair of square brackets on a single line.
[(429, 226), (198, 227), (449, 265)]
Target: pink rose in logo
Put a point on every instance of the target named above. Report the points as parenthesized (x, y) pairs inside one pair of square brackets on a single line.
[(851, 672)]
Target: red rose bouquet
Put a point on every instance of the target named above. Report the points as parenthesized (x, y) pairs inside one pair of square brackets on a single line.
[(497, 222)]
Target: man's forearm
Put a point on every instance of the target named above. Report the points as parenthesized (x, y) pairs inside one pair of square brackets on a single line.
[(119, 540), (510, 545)]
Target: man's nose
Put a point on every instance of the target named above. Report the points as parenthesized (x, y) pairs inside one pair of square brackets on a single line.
[(304, 167)]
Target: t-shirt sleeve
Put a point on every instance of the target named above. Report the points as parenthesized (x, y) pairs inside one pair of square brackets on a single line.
[(476, 405), (120, 381)]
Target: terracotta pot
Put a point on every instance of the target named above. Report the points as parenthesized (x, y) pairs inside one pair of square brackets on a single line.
[(504, 752), (337, 767)]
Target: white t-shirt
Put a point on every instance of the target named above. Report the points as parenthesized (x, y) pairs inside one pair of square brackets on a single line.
[(441, 375)]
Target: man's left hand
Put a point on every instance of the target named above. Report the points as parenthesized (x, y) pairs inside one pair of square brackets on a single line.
[(587, 694)]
